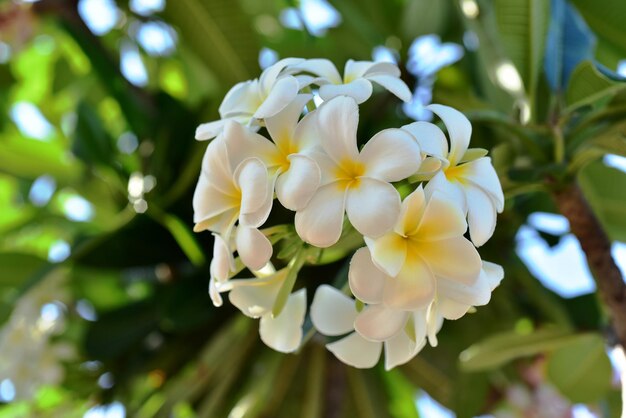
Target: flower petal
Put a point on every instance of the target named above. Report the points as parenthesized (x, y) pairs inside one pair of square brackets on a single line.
[(338, 121), (271, 73), (453, 190), (281, 94), (413, 288), (255, 297), (379, 323), (442, 219), (482, 174), (284, 332), (216, 298), (453, 258), (373, 206), (356, 351), (241, 144), (400, 349), (258, 217), (282, 126), (217, 168), (332, 312), (220, 263), (360, 90), (475, 295), (494, 273), (388, 252), (411, 212), (393, 84), (451, 309), (296, 186), (459, 130), (240, 99), (320, 222), (366, 280), (391, 155), (431, 139), (251, 177), (210, 130), (209, 201), (253, 247), (321, 67), (481, 215)]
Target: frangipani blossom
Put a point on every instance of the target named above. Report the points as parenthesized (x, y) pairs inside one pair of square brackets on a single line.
[(296, 174), (357, 79), (334, 313), (466, 174), (426, 243), (256, 297), (255, 99), (353, 182)]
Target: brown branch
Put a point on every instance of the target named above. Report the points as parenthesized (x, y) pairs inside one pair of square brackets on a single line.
[(597, 247)]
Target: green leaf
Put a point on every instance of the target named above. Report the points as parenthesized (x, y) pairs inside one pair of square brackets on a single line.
[(604, 187), (500, 349), (606, 19), (588, 86), (17, 268), (401, 393), (523, 26), (581, 370), (220, 34), (92, 142)]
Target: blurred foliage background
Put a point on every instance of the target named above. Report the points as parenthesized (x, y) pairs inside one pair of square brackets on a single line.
[(103, 287)]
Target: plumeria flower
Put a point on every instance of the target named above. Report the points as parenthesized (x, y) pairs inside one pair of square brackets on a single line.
[(226, 195), (287, 158), (256, 297), (334, 314), (357, 79), (426, 243), (255, 99), (466, 174), (353, 182)]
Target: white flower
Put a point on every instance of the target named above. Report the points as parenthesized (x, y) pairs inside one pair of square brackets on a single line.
[(256, 297), (287, 158), (334, 314), (466, 174), (357, 79), (353, 182), (426, 243), (255, 99)]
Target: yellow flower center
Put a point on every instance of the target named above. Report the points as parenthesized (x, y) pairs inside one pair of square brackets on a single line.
[(284, 147), (348, 172), (456, 172)]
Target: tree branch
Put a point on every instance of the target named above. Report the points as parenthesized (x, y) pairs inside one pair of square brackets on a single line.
[(597, 247)]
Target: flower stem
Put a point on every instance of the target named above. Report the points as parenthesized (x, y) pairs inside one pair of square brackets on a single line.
[(294, 268)]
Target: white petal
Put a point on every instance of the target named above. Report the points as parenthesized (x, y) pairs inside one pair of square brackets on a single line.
[(257, 218), (241, 144), (209, 201), (284, 332), (391, 155), (210, 130), (451, 309), (271, 73), (482, 174), (216, 298), (394, 84), (453, 190), (251, 176), (356, 351), (494, 273), (216, 166), (307, 134), (472, 295), (400, 350), (321, 221), (434, 321), (459, 130), (296, 186), (253, 247), (442, 219), (366, 280), (380, 323), (431, 139), (411, 212), (220, 263), (388, 252), (373, 206), (240, 99), (282, 126), (360, 90), (332, 312), (481, 215), (452, 258), (321, 67), (382, 68), (413, 288), (338, 122), (282, 93), (255, 297)]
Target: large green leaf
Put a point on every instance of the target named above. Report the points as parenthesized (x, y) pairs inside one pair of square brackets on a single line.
[(581, 370), (16, 268), (587, 85), (606, 18), (604, 187), (499, 349), (220, 34), (523, 25)]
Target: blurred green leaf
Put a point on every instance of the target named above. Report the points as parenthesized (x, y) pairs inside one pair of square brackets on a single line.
[(92, 143), (17, 268), (581, 370), (606, 19), (604, 187), (588, 85)]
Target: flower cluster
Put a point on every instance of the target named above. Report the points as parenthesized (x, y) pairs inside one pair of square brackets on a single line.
[(412, 266)]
